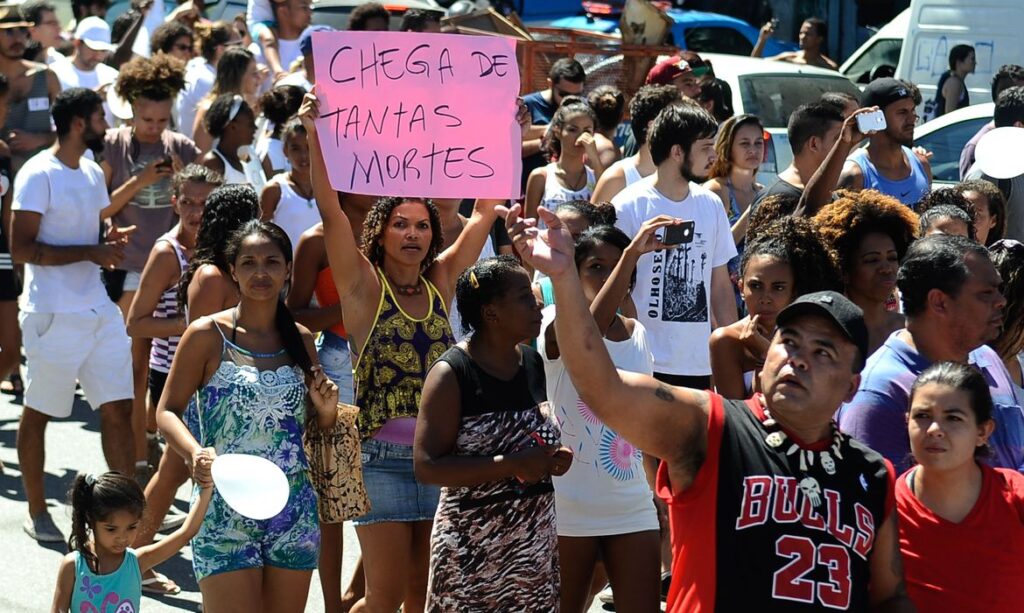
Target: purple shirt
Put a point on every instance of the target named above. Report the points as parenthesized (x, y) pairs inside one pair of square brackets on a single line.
[(967, 155), (877, 415)]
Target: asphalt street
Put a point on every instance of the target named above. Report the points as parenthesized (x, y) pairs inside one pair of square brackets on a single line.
[(28, 569)]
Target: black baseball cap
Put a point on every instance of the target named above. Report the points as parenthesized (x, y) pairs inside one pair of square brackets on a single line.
[(883, 92), (836, 307)]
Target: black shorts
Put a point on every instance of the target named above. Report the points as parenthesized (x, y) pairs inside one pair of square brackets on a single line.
[(10, 285), (699, 382), (113, 280), (157, 381)]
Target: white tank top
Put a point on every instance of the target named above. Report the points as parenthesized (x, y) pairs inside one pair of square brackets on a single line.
[(629, 169), (555, 194), (231, 174), (294, 213)]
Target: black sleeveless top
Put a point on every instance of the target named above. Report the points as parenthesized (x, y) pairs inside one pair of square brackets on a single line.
[(940, 99), (497, 417), (482, 393), (777, 542)]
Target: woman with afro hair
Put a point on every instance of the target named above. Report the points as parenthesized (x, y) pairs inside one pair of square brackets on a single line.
[(867, 234), (139, 161)]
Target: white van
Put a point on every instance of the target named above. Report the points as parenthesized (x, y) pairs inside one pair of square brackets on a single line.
[(930, 28), (992, 27)]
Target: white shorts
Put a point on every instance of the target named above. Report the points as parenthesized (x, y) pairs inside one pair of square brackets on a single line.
[(90, 347)]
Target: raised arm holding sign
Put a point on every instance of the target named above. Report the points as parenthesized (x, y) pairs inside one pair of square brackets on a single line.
[(424, 115)]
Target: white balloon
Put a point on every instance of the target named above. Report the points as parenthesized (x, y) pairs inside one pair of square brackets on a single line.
[(998, 153), (253, 486)]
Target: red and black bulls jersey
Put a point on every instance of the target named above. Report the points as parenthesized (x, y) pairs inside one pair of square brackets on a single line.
[(746, 536)]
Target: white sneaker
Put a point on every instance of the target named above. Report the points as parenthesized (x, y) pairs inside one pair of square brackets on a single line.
[(605, 595)]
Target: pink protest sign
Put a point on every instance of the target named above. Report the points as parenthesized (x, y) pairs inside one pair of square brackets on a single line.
[(428, 115)]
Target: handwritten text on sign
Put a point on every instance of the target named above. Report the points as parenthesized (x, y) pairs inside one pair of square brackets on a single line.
[(430, 115)]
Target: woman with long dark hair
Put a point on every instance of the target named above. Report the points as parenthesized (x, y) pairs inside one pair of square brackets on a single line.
[(257, 386)]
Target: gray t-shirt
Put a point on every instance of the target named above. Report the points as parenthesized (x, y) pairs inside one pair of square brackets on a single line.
[(150, 210), (1014, 201)]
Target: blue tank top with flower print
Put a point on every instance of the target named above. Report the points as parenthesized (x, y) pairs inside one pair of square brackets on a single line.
[(255, 404)]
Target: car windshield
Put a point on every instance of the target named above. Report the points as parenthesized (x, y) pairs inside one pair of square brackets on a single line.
[(774, 97)]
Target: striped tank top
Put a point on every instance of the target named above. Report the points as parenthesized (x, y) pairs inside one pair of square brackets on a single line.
[(394, 361), (163, 349)]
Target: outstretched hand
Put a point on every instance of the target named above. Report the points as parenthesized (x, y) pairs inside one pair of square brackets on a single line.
[(549, 250)]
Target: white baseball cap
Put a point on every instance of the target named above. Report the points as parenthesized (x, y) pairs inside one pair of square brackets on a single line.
[(95, 33)]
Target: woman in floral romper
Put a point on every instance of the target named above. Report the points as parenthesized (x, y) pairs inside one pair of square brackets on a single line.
[(252, 372)]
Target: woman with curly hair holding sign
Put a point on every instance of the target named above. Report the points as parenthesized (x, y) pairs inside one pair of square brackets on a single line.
[(395, 290)]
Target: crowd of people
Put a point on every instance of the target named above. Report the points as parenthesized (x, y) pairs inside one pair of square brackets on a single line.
[(653, 378)]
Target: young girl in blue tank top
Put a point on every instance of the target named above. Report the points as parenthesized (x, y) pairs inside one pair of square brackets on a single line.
[(102, 572)]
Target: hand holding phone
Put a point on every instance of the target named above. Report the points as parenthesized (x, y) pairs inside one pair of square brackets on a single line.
[(871, 122), (679, 234)]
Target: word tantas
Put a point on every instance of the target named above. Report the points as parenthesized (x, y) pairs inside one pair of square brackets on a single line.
[(419, 61)]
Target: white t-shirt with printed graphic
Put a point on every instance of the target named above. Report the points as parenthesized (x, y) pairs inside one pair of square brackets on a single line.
[(673, 286), (605, 491)]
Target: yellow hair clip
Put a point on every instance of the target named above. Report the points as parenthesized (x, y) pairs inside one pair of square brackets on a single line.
[(473, 280)]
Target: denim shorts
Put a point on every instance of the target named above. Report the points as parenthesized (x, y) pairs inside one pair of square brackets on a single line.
[(336, 360), (394, 493)]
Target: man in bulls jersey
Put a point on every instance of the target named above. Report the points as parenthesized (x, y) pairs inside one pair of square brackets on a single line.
[(770, 505)]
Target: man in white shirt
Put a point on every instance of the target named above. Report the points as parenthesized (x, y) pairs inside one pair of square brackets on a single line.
[(72, 331), (681, 293), (86, 67)]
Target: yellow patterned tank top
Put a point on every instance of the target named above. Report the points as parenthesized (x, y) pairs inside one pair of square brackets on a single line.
[(394, 361)]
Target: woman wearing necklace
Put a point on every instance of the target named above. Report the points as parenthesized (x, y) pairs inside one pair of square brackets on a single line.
[(257, 386), (395, 291), (576, 163), (287, 200), (138, 162), (952, 502)]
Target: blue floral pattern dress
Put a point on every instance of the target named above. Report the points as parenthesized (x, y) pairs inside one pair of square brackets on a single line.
[(256, 404)]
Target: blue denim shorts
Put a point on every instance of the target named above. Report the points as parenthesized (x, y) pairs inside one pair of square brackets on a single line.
[(394, 493), (336, 360)]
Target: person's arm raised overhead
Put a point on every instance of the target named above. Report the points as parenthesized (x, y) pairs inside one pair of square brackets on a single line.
[(835, 171), (353, 274), (466, 249), (665, 421)]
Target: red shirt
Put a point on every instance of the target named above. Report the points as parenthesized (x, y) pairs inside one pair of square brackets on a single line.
[(975, 565)]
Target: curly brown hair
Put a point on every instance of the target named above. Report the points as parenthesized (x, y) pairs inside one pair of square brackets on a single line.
[(158, 78), (377, 221), (844, 223), (771, 208)]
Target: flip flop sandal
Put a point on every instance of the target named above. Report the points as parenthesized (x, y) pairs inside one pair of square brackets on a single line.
[(12, 386), (160, 584)]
